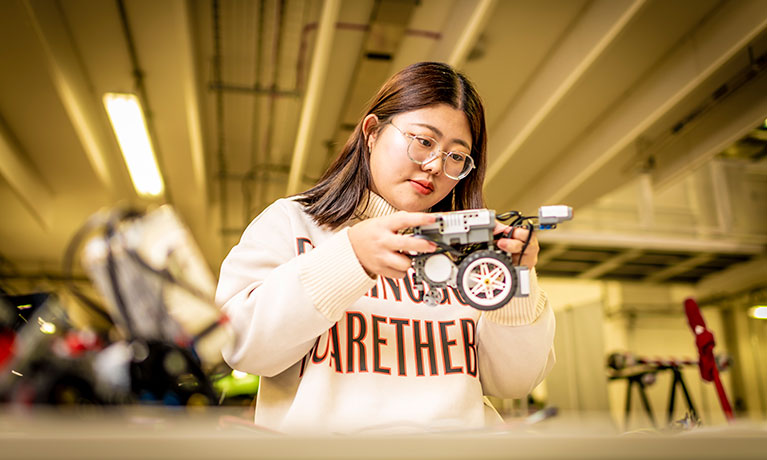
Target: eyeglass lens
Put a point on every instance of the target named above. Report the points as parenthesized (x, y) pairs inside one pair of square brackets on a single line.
[(456, 165)]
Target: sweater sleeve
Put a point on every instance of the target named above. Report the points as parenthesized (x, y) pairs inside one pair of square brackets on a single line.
[(516, 344), (278, 302)]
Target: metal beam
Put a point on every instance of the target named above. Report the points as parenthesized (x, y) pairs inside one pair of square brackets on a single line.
[(71, 83), (648, 242), (341, 107), (737, 278), (424, 32), (611, 264), (722, 198), (706, 50), (549, 254), (461, 30), (310, 108), (189, 84), (470, 33), (596, 29), (645, 202), (676, 269), (713, 131), (25, 182)]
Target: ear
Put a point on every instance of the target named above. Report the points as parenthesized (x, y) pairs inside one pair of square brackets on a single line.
[(369, 128)]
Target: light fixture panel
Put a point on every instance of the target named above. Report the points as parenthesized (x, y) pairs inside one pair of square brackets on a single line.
[(758, 312), (130, 128)]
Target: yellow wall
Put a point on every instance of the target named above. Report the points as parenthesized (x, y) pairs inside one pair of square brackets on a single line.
[(595, 319)]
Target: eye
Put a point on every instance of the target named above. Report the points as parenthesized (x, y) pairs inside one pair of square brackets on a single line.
[(456, 157), (424, 141)]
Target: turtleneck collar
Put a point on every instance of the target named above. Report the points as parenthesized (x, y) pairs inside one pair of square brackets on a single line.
[(374, 206)]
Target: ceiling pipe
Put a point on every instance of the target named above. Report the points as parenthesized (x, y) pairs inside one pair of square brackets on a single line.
[(310, 108), (469, 35), (193, 109), (255, 131), (71, 83), (220, 126), (26, 183), (308, 28), (138, 77), (418, 42), (268, 142), (254, 140)]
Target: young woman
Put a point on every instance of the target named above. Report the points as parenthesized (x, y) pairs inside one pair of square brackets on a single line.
[(318, 291)]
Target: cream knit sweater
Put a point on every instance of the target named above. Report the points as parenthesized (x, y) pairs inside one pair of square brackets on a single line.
[(340, 352)]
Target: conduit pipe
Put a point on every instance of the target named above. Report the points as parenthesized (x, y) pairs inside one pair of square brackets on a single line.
[(310, 108), (71, 83), (470, 34), (31, 189)]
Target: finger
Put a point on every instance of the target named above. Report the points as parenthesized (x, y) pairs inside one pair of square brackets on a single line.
[(409, 243), (511, 246), (393, 274), (520, 233), (401, 220), (499, 228), (534, 243), (391, 267), (397, 262)]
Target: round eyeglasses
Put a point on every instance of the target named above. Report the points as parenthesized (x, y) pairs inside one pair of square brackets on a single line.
[(424, 149)]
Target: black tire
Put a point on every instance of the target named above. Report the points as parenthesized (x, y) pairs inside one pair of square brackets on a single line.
[(491, 269)]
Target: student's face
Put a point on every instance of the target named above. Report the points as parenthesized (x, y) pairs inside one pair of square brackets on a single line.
[(404, 184)]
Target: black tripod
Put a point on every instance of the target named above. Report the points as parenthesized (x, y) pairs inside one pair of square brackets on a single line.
[(647, 377), (680, 381)]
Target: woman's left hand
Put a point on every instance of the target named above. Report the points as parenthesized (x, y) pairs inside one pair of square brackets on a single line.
[(514, 245)]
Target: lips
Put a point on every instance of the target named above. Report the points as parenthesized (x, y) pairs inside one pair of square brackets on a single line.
[(422, 186)]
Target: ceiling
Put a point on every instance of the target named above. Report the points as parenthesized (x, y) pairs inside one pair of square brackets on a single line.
[(248, 100)]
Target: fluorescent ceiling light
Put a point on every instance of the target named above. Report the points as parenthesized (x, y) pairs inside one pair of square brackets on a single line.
[(759, 312), (130, 128)]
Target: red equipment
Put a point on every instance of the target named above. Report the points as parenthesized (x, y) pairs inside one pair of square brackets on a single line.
[(704, 339)]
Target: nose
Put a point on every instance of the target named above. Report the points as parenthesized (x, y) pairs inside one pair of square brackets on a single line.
[(433, 165)]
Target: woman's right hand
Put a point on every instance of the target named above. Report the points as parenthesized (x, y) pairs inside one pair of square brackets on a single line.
[(382, 250)]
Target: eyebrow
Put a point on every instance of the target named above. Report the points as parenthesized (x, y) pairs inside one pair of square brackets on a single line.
[(439, 133)]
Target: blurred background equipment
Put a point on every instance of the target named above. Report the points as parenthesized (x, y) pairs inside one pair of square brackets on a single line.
[(157, 287), (166, 335), (160, 294), (704, 340), (641, 372), (46, 360)]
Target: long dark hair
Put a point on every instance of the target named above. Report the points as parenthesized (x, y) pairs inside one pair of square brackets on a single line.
[(340, 191)]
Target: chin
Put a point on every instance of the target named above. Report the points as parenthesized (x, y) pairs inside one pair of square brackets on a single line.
[(419, 205), (405, 200)]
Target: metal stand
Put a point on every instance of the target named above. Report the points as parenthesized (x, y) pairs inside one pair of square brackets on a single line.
[(680, 381), (645, 402)]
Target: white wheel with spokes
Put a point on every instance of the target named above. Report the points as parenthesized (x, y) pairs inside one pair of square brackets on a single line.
[(486, 280)]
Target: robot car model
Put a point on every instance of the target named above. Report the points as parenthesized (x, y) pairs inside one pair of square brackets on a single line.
[(468, 259)]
